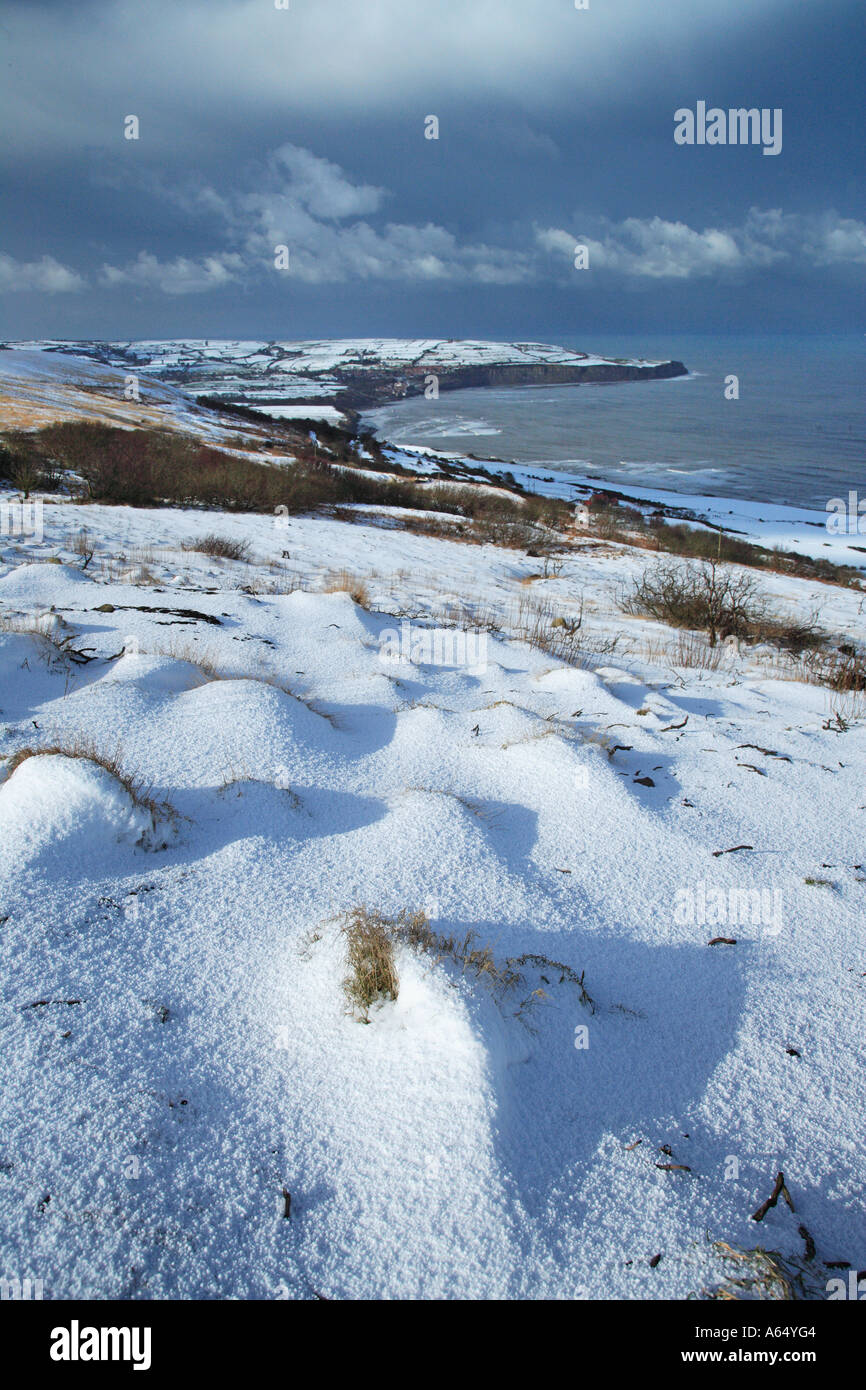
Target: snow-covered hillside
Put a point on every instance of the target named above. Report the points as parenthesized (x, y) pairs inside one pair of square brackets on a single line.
[(374, 369), (178, 1055)]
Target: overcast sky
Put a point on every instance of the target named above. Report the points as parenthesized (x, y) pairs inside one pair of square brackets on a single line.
[(305, 127)]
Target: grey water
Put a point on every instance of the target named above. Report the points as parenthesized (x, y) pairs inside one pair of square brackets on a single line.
[(796, 435)]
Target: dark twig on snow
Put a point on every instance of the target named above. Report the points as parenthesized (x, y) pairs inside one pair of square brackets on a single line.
[(779, 1190)]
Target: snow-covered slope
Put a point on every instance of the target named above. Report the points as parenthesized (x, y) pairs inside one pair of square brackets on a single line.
[(40, 388), (177, 1054)]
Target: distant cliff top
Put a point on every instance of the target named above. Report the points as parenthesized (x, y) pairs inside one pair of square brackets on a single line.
[(327, 355)]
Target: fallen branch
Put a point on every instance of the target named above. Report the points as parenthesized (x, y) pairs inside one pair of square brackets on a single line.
[(767, 752), (810, 1244), (779, 1190), (619, 748), (192, 614)]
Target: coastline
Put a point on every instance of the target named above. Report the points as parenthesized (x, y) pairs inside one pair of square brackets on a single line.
[(801, 529)]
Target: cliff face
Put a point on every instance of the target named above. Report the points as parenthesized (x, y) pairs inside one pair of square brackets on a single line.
[(550, 373), (364, 389)]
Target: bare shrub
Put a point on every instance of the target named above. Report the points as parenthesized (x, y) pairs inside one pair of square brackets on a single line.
[(612, 520), (844, 673), (706, 598), (25, 474), (793, 635), (842, 669), (220, 548)]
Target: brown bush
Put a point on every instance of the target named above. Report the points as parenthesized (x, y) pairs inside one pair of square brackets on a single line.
[(220, 548), (707, 598)]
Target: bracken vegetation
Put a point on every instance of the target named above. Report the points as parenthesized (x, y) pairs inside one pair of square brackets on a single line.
[(153, 467)]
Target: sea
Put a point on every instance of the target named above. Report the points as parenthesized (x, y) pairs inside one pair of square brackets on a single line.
[(790, 431)]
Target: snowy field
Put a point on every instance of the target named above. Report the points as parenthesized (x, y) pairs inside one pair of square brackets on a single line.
[(326, 355), (178, 1054), (328, 413)]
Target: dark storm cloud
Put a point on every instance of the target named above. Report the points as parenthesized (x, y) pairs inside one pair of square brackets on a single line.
[(305, 127)]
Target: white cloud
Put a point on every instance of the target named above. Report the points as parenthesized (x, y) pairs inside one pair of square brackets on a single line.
[(181, 276), (656, 249), (313, 207), (320, 186), (47, 275), (816, 239), (324, 253)]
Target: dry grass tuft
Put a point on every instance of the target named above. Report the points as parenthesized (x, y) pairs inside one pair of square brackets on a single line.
[(81, 544), (566, 974), (689, 651), (373, 972), (344, 582), (56, 645), (762, 1274), (372, 938), (558, 633), (179, 650)]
